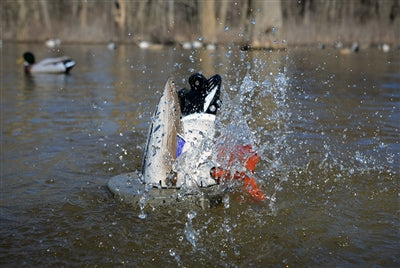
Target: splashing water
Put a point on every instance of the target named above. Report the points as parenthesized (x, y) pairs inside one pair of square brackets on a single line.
[(172, 253), (255, 113), (300, 155), (143, 200), (191, 234), (325, 126), (244, 103)]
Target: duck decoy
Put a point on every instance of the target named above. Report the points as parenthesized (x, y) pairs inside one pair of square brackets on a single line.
[(48, 65), (184, 162), (52, 43)]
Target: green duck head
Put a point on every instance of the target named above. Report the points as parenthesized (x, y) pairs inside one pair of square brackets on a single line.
[(29, 57)]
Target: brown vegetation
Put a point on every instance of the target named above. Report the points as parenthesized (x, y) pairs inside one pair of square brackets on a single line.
[(247, 22)]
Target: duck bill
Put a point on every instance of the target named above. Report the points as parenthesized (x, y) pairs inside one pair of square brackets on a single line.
[(20, 60)]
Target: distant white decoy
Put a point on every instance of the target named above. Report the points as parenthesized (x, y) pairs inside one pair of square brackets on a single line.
[(186, 45), (197, 44), (144, 44), (385, 48), (149, 45), (338, 45), (112, 46), (211, 46), (52, 43)]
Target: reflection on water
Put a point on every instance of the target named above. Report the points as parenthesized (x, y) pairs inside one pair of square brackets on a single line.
[(326, 127)]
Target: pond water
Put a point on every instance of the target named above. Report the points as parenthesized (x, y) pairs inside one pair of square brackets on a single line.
[(327, 128)]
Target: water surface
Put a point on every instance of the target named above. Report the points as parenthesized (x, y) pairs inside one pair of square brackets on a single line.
[(326, 126)]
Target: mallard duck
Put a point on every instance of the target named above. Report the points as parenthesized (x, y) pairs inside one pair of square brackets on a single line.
[(49, 65)]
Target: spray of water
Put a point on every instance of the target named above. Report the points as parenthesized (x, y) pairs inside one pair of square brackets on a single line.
[(265, 109), (254, 112)]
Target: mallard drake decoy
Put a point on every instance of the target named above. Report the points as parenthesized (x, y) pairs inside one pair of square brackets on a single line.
[(49, 65)]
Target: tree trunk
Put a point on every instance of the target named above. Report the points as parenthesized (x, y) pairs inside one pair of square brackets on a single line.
[(268, 24), (171, 18), (223, 9), (83, 15), (141, 15), (208, 21), (46, 16), (120, 16)]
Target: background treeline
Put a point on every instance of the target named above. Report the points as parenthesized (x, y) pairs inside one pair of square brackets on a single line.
[(252, 22)]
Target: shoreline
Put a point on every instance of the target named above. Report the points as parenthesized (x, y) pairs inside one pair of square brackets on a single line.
[(241, 46)]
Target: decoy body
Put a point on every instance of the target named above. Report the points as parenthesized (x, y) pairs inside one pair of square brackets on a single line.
[(49, 65), (184, 162)]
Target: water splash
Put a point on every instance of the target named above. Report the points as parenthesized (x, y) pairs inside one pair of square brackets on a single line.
[(300, 154), (143, 201), (191, 233), (255, 113), (175, 255)]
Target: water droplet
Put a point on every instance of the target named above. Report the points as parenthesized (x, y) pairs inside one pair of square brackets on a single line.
[(191, 58), (191, 234), (142, 215), (191, 214), (225, 200)]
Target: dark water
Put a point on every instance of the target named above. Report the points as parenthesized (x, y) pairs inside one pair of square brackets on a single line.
[(327, 128)]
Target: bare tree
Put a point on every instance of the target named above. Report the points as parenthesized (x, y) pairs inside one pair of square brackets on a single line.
[(259, 22)]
